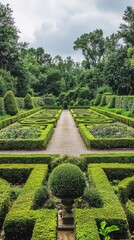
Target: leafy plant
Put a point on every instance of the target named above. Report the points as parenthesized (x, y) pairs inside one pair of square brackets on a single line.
[(104, 230), (112, 131), (17, 131)]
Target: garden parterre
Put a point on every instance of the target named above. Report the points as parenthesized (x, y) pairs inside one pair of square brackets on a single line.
[(21, 221), (32, 132), (101, 132)]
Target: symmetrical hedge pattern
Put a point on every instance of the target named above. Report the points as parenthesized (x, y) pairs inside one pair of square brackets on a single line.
[(22, 222), (87, 118), (45, 120), (87, 221)]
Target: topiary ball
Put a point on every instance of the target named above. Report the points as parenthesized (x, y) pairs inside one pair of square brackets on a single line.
[(67, 181)]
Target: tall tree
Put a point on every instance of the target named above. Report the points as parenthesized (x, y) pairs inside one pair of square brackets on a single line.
[(127, 28), (8, 38), (92, 45)]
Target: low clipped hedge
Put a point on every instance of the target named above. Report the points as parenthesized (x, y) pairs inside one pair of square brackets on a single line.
[(104, 143), (42, 118), (40, 143), (106, 158), (28, 158), (127, 120), (87, 221), (7, 121), (89, 117), (22, 222), (4, 199)]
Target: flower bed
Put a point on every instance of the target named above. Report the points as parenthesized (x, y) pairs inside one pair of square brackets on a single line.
[(114, 130)]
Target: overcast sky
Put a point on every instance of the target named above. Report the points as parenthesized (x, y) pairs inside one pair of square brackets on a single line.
[(56, 24)]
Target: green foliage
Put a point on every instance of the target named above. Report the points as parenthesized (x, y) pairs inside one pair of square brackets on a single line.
[(10, 103), (17, 131), (111, 104), (104, 230), (40, 197), (24, 223), (92, 197), (103, 100), (9, 38), (126, 29), (114, 130), (97, 99), (28, 102), (67, 181), (65, 159), (15, 193), (1, 106), (65, 105), (4, 199), (7, 82)]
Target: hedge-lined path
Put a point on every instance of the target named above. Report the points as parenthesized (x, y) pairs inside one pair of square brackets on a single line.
[(66, 140)]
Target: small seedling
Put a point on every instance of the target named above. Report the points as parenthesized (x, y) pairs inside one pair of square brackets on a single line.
[(104, 230)]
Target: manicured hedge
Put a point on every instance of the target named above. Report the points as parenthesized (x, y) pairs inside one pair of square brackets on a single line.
[(4, 199), (106, 158), (40, 143), (7, 121), (24, 223), (86, 135), (87, 221), (127, 120), (89, 116), (104, 143), (42, 118), (28, 158)]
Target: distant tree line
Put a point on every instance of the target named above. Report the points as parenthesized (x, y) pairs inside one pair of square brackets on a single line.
[(108, 64)]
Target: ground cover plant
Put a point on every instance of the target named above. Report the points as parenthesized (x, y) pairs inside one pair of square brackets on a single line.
[(115, 130), (18, 132)]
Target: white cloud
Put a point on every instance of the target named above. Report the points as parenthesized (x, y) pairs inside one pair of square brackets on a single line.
[(55, 25)]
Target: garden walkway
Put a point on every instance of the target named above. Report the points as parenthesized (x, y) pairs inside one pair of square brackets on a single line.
[(66, 140)]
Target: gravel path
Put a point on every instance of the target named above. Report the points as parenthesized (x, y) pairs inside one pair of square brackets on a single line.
[(66, 140)]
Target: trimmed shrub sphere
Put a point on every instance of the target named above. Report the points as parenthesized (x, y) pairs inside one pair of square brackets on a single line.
[(67, 181)]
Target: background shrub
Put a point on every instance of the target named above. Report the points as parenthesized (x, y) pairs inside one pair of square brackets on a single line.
[(67, 181), (10, 104), (112, 102), (103, 100), (40, 197), (92, 197), (28, 102), (97, 99), (130, 190)]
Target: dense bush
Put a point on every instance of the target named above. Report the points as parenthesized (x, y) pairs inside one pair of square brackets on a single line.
[(1, 106), (28, 102), (10, 103), (111, 103), (67, 181), (65, 105), (40, 197), (97, 99), (92, 197), (130, 189), (103, 100)]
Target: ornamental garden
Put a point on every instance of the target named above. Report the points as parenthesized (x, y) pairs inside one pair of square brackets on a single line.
[(97, 189)]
